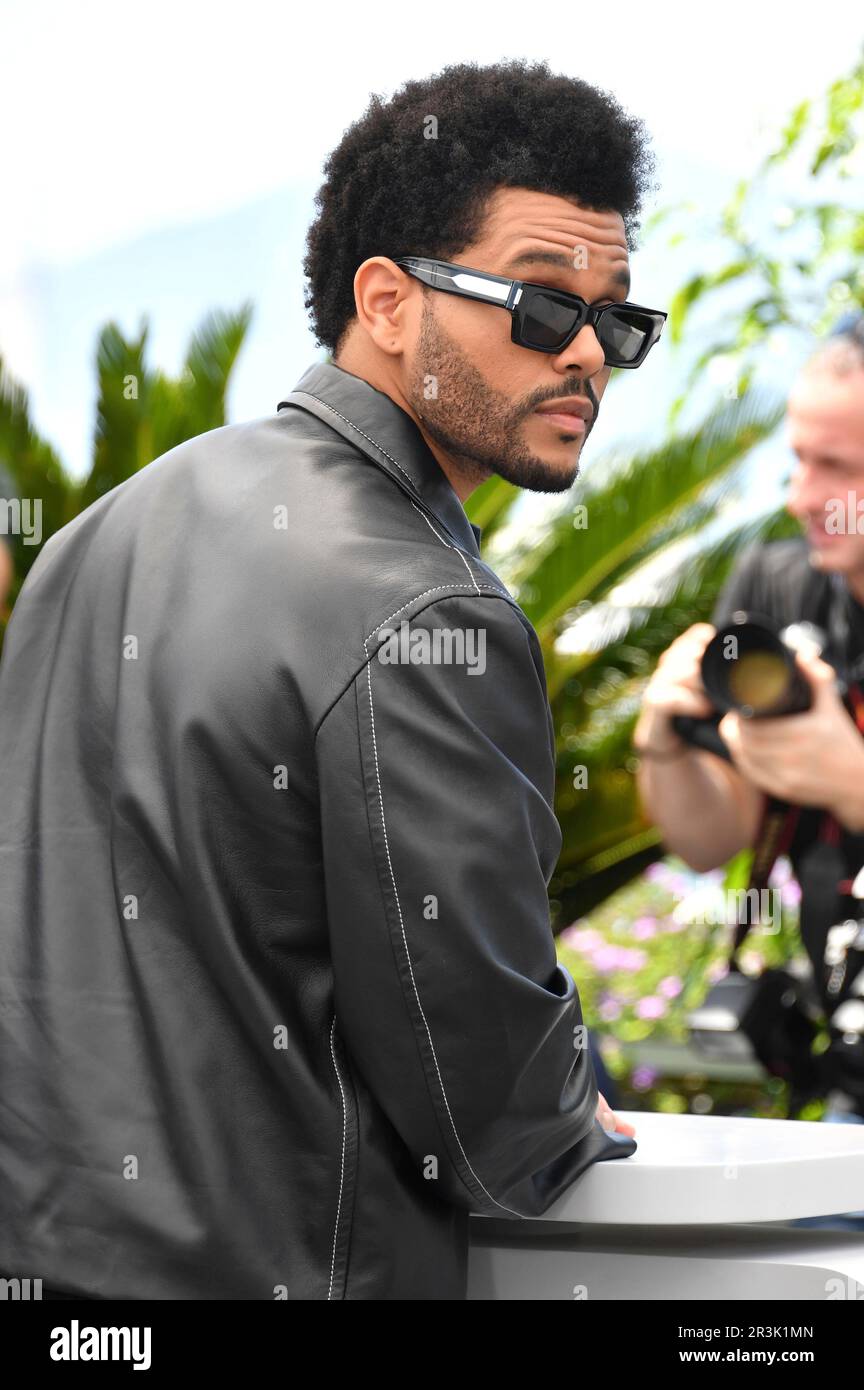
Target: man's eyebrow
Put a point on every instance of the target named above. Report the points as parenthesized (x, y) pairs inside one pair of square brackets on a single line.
[(824, 458), (562, 260)]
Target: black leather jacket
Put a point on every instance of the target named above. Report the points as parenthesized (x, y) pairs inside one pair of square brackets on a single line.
[(280, 1000)]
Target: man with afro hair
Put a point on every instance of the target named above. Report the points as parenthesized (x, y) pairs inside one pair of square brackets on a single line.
[(277, 829)]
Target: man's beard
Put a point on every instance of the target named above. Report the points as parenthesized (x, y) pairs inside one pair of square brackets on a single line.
[(477, 427)]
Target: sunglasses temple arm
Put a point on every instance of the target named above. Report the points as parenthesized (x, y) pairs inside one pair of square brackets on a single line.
[(440, 279)]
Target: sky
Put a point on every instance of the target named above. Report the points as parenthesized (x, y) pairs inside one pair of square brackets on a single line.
[(162, 161)]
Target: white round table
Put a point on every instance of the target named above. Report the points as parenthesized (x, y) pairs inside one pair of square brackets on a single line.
[(703, 1210)]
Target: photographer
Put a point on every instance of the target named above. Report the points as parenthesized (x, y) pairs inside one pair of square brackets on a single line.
[(710, 809)]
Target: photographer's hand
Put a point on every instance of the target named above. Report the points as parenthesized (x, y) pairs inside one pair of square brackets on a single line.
[(705, 809), (675, 688), (810, 759)]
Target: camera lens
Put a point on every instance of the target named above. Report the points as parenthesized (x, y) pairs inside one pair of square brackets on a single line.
[(758, 680), (748, 667)]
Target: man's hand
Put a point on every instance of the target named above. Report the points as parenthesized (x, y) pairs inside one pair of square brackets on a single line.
[(675, 688), (610, 1121), (810, 759)]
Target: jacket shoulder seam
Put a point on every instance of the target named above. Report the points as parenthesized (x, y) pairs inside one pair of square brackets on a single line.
[(462, 556), (438, 588), (451, 591)]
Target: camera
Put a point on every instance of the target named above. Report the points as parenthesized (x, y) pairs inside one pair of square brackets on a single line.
[(749, 666)]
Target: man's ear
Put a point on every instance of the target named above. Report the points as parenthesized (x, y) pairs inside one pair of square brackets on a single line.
[(383, 297)]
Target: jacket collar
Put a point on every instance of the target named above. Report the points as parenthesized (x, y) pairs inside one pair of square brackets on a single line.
[(373, 422)]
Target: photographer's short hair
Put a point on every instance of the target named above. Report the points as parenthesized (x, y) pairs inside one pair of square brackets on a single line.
[(843, 351), (390, 191)]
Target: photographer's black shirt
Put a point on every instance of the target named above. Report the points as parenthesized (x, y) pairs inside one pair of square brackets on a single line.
[(776, 581)]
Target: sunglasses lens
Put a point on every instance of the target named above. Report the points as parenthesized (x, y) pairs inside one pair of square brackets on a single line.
[(546, 322), (624, 334)]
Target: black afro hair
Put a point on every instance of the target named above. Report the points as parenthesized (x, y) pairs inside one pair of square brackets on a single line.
[(389, 190)]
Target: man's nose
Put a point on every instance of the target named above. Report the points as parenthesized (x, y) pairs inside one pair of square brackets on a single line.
[(584, 356), (805, 494)]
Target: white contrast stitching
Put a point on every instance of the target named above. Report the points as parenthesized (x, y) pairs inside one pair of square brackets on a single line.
[(408, 953), (455, 548), (342, 1174), (359, 431), (437, 589), (394, 461)]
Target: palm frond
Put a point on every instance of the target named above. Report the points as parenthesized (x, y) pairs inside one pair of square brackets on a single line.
[(123, 435), (490, 506), (209, 362), (596, 697), (30, 468), (627, 514)]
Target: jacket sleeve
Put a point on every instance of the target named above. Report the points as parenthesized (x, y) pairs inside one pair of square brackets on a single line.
[(439, 839)]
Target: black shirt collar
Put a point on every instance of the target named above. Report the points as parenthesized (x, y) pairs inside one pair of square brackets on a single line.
[(373, 422)]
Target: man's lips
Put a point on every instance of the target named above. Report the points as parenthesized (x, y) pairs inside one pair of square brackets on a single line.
[(579, 406), (573, 413), (816, 534), (562, 420)]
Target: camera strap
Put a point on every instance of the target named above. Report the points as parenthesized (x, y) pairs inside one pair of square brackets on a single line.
[(776, 832), (822, 869)]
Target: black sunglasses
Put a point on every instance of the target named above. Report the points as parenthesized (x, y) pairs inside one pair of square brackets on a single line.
[(545, 319)]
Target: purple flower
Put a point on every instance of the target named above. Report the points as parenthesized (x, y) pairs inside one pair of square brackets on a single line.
[(644, 928), (643, 1078), (670, 986), (606, 958), (581, 938), (658, 872), (781, 873), (679, 884), (625, 958), (631, 959), (651, 1007), (609, 1009)]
